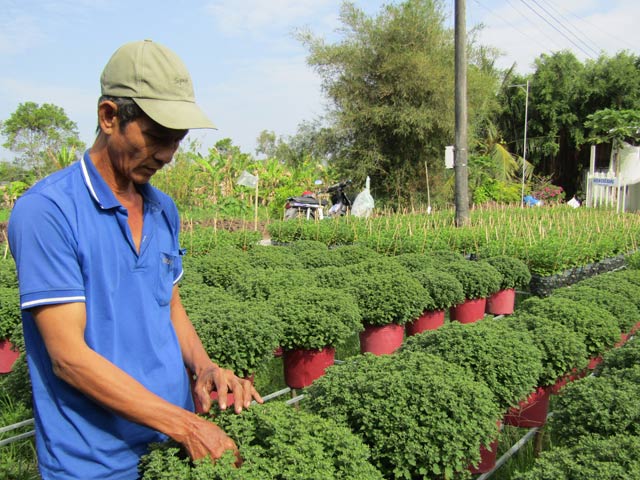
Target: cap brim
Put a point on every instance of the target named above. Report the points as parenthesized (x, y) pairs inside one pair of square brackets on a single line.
[(174, 114)]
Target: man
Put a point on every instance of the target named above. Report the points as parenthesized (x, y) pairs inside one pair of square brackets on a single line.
[(98, 261)]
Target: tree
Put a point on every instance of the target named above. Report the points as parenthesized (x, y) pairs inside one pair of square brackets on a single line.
[(391, 83), (39, 134)]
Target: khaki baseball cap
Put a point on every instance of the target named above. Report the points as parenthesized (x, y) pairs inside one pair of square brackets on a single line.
[(158, 81)]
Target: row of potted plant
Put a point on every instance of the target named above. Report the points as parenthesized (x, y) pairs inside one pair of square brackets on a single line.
[(595, 423), (549, 240)]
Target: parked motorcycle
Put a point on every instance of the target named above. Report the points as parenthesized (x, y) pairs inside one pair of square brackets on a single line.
[(340, 203), (308, 205), (305, 206)]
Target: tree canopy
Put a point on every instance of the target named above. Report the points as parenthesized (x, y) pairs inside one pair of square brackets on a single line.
[(391, 82), (40, 135)]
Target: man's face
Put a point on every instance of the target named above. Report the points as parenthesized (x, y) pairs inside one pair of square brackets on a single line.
[(142, 148)]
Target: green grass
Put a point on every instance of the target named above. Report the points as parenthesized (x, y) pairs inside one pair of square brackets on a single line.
[(18, 459)]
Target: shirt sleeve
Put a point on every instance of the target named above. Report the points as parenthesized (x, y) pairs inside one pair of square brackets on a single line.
[(45, 250)]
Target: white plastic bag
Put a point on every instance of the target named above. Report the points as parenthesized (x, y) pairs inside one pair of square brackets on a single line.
[(363, 204)]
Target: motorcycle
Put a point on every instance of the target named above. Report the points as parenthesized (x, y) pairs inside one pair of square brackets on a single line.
[(308, 206), (340, 203)]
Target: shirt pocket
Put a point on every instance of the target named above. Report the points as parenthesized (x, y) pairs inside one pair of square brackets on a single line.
[(164, 279)]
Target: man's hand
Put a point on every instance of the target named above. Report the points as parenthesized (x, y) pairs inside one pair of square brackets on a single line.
[(207, 439), (224, 381)]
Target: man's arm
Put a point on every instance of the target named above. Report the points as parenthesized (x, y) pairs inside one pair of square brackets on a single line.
[(208, 374), (62, 328)]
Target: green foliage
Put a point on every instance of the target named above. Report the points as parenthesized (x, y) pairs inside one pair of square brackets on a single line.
[(389, 77), (623, 358), (237, 335), (34, 130), (620, 307), (443, 288), (273, 257), (426, 424), (204, 240), (386, 293), (224, 267), (610, 458), (263, 283), (506, 360), (633, 260), (8, 275), (563, 350), (10, 314), (616, 283), (599, 327), (604, 405), (315, 318), (17, 384), (614, 126), (478, 278), (276, 442), (515, 273), (17, 461), (303, 247)]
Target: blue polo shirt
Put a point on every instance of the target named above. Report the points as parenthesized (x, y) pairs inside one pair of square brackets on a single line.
[(71, 243)]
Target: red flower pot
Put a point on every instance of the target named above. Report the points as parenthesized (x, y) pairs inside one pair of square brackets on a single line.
[(635, 328), (429, 320), (594, 362), (469, 311), (302, 367), (502, 302), (531, 412), (8, 356), (623, 339), (487, 458), (277, 352), (381, 339)]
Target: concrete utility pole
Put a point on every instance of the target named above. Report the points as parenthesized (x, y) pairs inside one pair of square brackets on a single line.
[(460, 156)]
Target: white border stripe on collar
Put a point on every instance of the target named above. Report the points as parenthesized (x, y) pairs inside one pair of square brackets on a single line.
[(55, 299), (85, 173)]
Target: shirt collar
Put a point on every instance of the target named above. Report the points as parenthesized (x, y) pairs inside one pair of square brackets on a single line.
[(101, 192)]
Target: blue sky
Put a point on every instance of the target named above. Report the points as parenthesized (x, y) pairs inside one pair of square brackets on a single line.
[(249, 72)]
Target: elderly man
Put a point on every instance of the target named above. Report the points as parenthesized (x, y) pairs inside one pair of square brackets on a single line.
[(98, 259)]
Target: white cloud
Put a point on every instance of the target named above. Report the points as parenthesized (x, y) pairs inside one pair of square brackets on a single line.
[(18, 34), (589, 29), (254, 16)]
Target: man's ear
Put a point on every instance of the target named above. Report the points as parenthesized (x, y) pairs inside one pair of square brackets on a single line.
[(107, 116)]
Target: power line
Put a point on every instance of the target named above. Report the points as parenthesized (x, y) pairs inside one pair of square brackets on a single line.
[(528, 20), (511, 25), (601, 30), (585, 38), (562, 25), (555, 28)]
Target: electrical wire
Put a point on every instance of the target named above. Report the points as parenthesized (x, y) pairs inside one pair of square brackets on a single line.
[(511, 25), (564, 27), (600, 30), (555, 28), (584, 38)]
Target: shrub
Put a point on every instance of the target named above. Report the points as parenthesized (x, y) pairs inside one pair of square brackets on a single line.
[(443, 288), (302, 247), (237, 335), (563, 350), (275, 442), (596, 406), (515, 273), (612, 458), (8, 275), (599, 327), (17, 383), (506, 360), (426, 424), (625, 357), (616, 283), (224, 267), (261, 284), (314, 318), (478, 279), (621, 308), (353, 254), (10, 314), (389, 297), (273, 257)]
